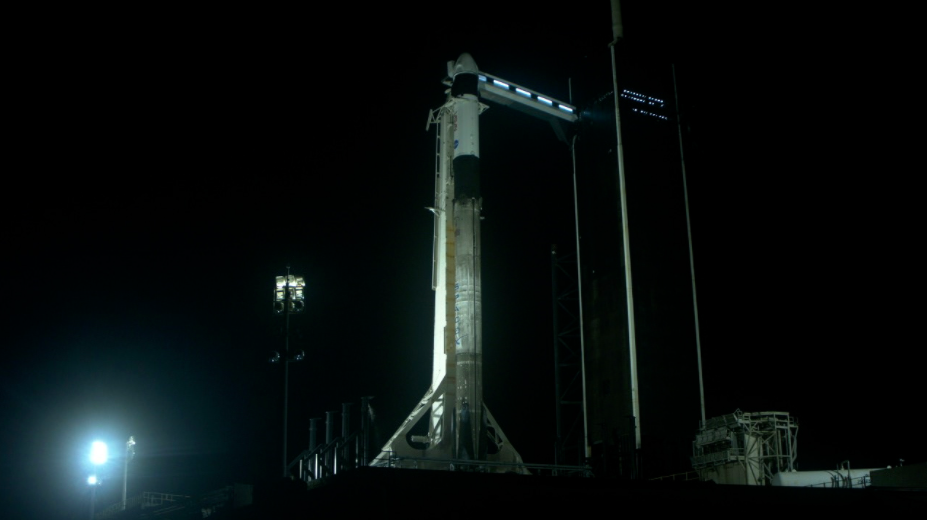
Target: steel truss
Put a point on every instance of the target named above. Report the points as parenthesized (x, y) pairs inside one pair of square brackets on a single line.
[(746, 447)]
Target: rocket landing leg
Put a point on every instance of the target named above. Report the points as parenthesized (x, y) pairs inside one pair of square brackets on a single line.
[(438, 452), (398, 447)]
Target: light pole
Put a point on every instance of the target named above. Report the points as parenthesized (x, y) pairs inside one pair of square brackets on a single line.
[(289, 298), (93, 482), (99, 453), (130, 452)]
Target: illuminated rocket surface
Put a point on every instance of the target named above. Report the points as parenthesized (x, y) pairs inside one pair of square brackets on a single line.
[(461, 427)]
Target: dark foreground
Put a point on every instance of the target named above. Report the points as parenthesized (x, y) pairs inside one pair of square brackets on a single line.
[(397, 491), (444, 494)]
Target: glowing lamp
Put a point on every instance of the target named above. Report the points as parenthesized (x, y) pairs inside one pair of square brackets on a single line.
[(98, 453)]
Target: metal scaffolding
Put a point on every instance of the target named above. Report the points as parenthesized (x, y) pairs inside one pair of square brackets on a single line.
[(569, 447), (745, 447)]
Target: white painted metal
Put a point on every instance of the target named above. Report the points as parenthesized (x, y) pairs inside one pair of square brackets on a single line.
[(530, 100), (444, 189), (753, 458), (457, 351), (506, 93), (626, 247), (837, 478), (685, 193), (443, 387), (468, 307), (745, 448), (587, 448), (455, 395), (468, 328), (466, 110)]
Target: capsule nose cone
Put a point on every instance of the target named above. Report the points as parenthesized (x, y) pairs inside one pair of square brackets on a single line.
[(465, 65)]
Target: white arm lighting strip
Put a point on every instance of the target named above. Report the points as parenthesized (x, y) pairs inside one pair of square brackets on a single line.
[(651, 114), (650, 101), (643, 98), (525, 99)]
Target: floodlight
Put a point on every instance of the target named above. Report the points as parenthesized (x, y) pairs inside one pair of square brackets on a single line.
[(98, 453), (289, 294), (130, 452), (290, 298), (93, 480)]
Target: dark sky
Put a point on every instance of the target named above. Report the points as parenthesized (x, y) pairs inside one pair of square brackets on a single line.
[(166, 166)]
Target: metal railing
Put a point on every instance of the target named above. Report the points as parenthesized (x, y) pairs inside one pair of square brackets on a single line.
[(144, 500), (843, 482), (328, 459), (717, 457), (686, 476), (485, 466)]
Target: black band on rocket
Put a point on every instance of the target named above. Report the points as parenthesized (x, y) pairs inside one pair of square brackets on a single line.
[(465, 84), (466, 177)]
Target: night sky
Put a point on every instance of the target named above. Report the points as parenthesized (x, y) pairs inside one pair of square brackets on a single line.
[(164, 167)]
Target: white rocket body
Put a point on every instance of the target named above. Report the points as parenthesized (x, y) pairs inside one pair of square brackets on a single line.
[(468, 322), (460, 426)]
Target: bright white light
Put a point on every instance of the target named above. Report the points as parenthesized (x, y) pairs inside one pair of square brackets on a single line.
[(482, 77), (646, 113), (523, 92), (98, 453), (646, 100), (546, 101), (500, 84), (93, 480), (297, 283), (566, 109)]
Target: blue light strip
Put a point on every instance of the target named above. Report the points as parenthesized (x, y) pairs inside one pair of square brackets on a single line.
[(523, 92)]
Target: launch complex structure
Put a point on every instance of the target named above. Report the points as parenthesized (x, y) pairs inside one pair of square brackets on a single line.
[(461, 429)]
